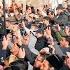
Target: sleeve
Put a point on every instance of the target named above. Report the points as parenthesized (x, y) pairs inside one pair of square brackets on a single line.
[(58, 51), (32, 43), (29, 55), (58, 36), (2, 55), (62, 33)]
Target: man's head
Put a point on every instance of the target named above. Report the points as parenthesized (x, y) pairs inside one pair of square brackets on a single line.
[(41, 62), (64, 42), (28, 9), (50, 14), (46, 20), (39, 33), (39, 59), (60, 9), (18, 65)]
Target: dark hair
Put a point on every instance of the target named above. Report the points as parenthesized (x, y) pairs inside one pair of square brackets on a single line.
[(19, 65), (13, 68), (68, 39), (32, 8), (27, 7), (34, 68), (8, 68)]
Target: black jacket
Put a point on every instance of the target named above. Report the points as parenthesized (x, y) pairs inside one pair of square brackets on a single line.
[(41, 43), (29, 55)]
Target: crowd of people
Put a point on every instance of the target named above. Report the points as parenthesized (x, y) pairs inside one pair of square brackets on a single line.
[(38, 37)]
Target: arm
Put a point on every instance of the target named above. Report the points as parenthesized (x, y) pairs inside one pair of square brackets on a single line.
[(32, 43), (29, 55), (3, 51), (26, 29)]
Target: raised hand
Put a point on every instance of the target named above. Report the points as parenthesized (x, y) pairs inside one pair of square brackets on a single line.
[(47, 32), (21, 53), (5, 43)]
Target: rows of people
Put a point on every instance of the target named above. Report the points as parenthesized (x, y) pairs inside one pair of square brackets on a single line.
[(39, 38)]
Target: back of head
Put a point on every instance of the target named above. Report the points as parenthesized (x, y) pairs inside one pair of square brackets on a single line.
[(19, 65), (12, 68), (8, 68)]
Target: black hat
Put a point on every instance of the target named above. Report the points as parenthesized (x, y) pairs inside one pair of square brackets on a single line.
[(60, 6)]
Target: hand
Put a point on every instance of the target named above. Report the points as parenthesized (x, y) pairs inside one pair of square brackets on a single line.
[(45, 50), (23, 24), (48, 32), (67, 30), (21, 53), (5, 43), (59, 28)]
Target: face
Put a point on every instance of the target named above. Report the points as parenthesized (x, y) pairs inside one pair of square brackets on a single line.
[(38, 61), (59, 11), (63, 42), (29, 10), (9, 37), (67, 29), (46, 22), (51, 15)]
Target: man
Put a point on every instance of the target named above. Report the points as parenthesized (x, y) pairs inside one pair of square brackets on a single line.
[(41, 40), (62, 17), (68, 12), (41, 63), (65, 45)]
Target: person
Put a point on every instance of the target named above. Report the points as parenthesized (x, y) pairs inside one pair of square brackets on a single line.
[(51, 15), (41, 40), (62, 17), (66, 65), (41, 63), (28, 51), (18, 65), (64, 43), (46, 21), (16, 52)]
